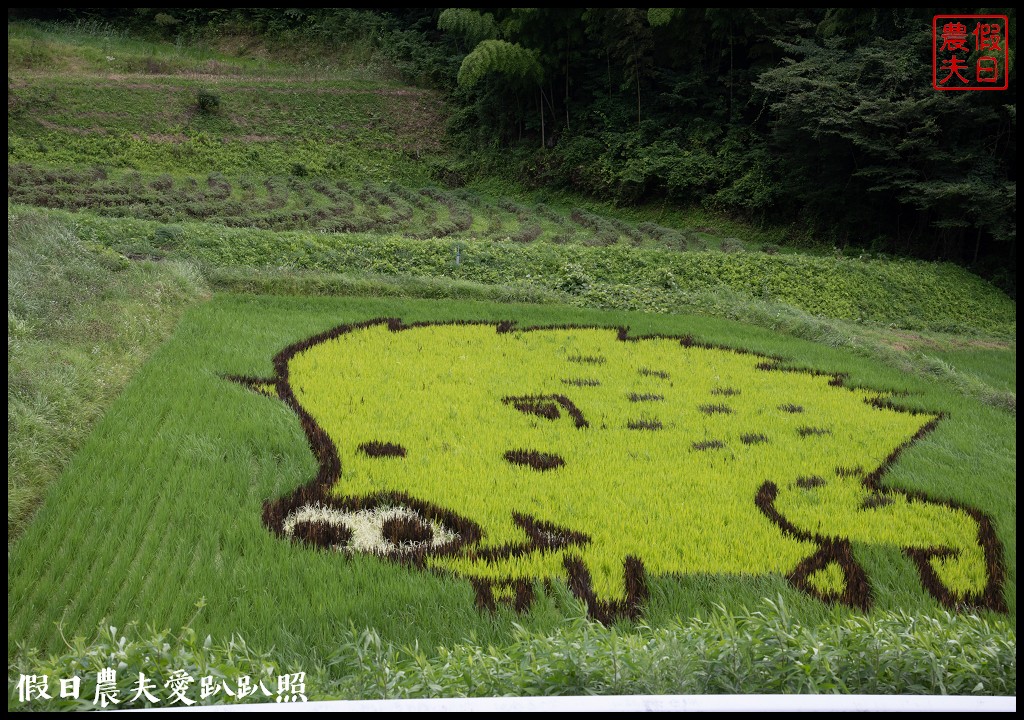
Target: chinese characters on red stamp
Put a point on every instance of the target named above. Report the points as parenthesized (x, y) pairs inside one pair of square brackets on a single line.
[(970, 52)]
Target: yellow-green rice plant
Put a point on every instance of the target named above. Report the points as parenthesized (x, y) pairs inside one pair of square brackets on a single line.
[(509, 455)]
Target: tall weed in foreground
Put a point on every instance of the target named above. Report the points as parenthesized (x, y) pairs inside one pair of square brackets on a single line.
[(762, 651)]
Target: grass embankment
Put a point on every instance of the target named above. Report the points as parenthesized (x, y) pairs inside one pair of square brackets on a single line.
[(80, 323), (96, 47), (896, 293)]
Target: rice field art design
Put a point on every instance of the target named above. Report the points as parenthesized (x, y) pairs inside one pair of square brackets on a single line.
[(514, 457)]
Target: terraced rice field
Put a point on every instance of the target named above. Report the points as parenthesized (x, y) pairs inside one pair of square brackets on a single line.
[(461, 469)]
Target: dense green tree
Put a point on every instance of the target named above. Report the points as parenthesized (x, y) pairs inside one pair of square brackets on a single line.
[(823, 118)]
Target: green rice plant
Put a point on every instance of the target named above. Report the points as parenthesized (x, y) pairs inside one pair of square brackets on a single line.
[(82, 320), (168, 489)]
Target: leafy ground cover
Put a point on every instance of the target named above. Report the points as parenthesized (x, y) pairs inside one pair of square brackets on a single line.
[(901, 293), (160, 112), (766, 650)]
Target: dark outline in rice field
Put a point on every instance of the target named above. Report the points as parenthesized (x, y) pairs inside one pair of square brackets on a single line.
[(545, 536)]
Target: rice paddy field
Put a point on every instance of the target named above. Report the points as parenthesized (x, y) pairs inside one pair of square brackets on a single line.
[(282, 393), (172, 488)]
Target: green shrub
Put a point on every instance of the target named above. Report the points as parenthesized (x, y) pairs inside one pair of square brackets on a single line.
[(162, 183), (165, 20), (208, 102), (573, 278), (167, 237), (665, 279)]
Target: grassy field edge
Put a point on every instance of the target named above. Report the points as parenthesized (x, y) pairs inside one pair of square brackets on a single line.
[(761, 650)]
